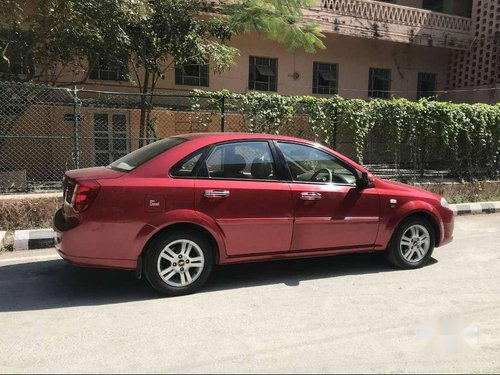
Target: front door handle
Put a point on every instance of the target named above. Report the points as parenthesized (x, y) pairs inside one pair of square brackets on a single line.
[(216, 193), (310, 196)]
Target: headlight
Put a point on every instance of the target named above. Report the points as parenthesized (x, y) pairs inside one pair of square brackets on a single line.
[(444, 203)]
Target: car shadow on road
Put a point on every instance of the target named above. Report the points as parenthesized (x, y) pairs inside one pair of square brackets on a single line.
[(292, 272), (56, 284)]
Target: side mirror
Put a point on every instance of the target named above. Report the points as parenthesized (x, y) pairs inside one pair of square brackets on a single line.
[(364, 181)]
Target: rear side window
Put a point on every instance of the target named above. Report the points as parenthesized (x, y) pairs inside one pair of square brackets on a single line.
[(241, 160), (138, 157), (187, 166)]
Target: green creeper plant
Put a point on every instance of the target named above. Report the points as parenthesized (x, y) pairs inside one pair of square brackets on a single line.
[(465, 137)]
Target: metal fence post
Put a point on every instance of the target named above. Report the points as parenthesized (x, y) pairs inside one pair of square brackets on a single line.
[(335, 124), (222, 114), (76, 128), (421, 156)]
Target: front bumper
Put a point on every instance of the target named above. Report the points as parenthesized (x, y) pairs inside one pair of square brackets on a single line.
[(448, 225), (446, 241)]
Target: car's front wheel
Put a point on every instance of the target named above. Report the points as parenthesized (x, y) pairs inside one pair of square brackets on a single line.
[(178, 263), (412, 244)]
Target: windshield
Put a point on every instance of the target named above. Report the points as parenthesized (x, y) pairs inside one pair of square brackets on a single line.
[(138, 157)]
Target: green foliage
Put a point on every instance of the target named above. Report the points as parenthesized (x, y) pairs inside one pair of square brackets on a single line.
[(74, 35), (143, 39), (268, 113), (355, 120), (10, 11), (322, 115), (465, 136), (172, 28), (279, 20)]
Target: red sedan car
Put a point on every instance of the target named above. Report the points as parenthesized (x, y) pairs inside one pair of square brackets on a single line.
[(174, 208)]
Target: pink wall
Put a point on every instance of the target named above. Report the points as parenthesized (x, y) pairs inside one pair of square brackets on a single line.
[(354, 57)]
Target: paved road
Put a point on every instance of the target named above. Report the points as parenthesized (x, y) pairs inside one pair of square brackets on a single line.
[(340, 314)]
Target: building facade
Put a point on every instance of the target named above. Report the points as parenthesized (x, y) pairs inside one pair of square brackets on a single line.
[(448, 49), (474, 73), (443, 49)]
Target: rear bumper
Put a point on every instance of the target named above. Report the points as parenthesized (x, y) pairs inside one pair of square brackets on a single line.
[(61, 224), (70, 242), (97, 262)]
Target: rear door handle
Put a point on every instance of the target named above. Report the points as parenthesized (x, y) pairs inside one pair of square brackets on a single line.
[(310, 196), (216, 193)]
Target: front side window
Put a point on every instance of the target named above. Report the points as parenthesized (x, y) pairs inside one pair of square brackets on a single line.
[(379, 83), (308, 164), (324, 78), (426, 85), (262, 74), (191, 74), (241, 160)]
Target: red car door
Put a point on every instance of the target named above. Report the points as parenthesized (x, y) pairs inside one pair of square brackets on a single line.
[(330, 211), (240, 191)]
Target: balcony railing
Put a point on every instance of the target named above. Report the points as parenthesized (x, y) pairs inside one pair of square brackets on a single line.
[(397, 14)]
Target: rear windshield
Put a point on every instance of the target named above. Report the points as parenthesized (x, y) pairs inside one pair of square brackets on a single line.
[(138, 157)]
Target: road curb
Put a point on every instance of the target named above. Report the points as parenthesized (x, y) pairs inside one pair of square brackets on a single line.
[(475, 208), (31, 239), (43, 238)]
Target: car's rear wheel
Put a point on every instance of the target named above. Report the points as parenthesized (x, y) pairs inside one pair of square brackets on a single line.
[(412, 244), (178, 263)]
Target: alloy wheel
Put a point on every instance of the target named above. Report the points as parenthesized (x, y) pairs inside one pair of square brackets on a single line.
[(180, 263), (415, 243)]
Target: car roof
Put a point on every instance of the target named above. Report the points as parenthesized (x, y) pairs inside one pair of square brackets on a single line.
[(219, 136)]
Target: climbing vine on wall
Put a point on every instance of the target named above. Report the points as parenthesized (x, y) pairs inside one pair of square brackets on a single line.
[(467, 135)]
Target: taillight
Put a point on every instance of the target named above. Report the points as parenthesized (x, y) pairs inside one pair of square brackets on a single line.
[(84, 194)]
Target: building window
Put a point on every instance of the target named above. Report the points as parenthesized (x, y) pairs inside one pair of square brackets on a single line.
[(262, 74), (324, 78), (191, 74), (379, 83), (104, 72), (111, 139), (426, 85), (16, 59), (434, 5)]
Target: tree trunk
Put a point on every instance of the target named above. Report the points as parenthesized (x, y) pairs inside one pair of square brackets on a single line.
[(150, 129), (144, 109)]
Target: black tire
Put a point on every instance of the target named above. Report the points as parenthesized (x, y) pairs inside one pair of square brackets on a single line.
[(156, 248), (394, 252)]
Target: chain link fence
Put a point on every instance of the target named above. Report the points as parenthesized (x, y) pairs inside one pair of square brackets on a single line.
[(45, 131)]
